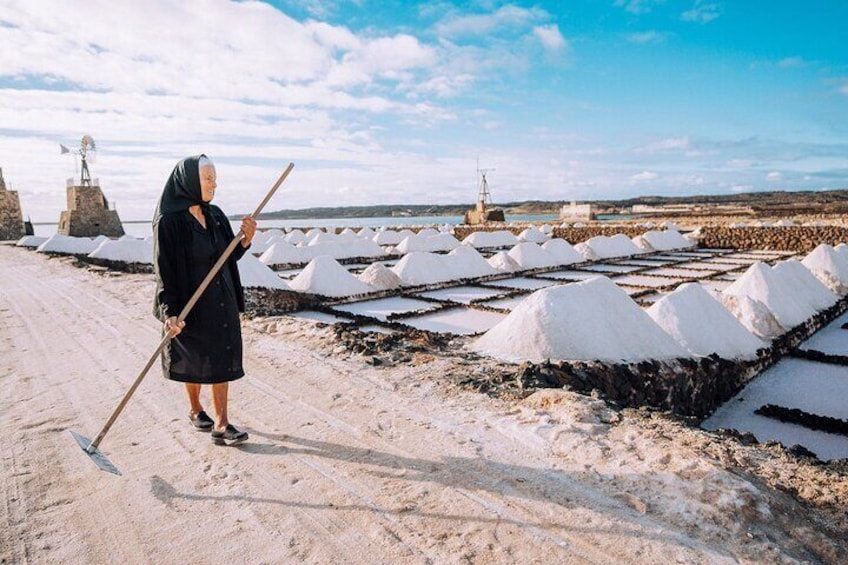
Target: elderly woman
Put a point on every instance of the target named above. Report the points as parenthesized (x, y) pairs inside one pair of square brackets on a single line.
[(189, 236)]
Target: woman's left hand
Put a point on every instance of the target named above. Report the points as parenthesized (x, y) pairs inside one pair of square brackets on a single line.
[(248, 228)]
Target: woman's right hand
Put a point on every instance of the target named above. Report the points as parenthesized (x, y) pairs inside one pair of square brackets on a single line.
[(171, 326)]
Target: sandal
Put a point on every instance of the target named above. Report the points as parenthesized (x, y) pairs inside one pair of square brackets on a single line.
[(230, 436), (201, 421)]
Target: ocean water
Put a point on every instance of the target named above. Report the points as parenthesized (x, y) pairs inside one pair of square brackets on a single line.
[(143, 229)]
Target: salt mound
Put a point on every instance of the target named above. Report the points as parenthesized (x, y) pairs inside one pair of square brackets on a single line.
[(313, 233), (348, 233), (380, 277), (324, 276), (564, 225), (616, 246), (427, 232), (533, 235), (420, 267), (784, 223), (30, 241), (467, 263), (666, 240), (827, 266), (699, 322), (255, 274), (125, 250), (562, 252), (481, 239), (587, 252), (754, 315), (806, 284), (528, 255), (126, 237), (642, 243), (842, 251), (546, 229), (343, 249), (66, 244), (366, 233), (593, 319), (762, 283), (388, 237), (669, 225), (282, 253), (260, 245), (295, 236), (438, 242), (503, 262), (322, 237)]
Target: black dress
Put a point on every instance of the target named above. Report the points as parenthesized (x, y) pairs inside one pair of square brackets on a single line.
[(209, 348)]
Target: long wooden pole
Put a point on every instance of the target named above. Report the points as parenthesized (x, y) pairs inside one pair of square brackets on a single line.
[(185, 311)]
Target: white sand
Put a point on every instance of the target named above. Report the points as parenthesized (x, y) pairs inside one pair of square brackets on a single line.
[(700, 323), (324, 276), (347, 463), (589, 320)]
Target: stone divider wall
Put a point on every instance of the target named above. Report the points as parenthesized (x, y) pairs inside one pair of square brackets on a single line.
[(788, 238)]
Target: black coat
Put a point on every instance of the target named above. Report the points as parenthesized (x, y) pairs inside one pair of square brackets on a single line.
[(209, 349)]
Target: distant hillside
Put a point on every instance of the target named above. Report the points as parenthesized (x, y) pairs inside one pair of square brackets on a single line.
[(756, 200)]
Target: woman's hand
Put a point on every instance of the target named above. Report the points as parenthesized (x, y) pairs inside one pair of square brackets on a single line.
[(248, 228), (171, 326)]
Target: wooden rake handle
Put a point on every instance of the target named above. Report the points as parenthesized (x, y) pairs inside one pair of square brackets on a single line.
[(185, 311)]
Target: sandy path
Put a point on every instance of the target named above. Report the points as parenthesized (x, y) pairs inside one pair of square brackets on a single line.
[(347, 463)]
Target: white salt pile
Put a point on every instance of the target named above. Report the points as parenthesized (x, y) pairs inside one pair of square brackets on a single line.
[(529, 255), (586, 252), (125, 237), (503, 262), (324, 276), (282, 253), (467, 263), (427, 232), (125, 250), (366, 233), (698, 322), (807, 285), (342, 249), (546, 229), (562, 252), (666, 240), (590, 320), (420, 267), (564, 225), (380, 277), (827, 266), (261, 243), (65, 244), (842, 251), (784, 223), (427, 242), (618, 245), (754, 315), (295, 236), (30, 241), (669, 225), (642, 243), (322, 237), (482, 239), (533, 235), (780, 297), (313, 233), (255, 274), (388, 237)]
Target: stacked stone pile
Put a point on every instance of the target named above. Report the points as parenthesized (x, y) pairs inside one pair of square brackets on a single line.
[(790, 238)]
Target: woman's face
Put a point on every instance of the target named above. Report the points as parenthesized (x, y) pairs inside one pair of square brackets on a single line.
[(207, 183)]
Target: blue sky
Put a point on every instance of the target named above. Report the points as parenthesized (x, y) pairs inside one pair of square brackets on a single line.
[(393, 102)]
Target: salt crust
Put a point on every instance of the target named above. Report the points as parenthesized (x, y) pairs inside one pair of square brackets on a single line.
[(702, 325), (324, 276), (589, 320)]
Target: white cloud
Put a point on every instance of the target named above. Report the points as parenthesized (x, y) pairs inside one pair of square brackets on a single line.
[(668, 144), (638, 6), (702, 12), (740, 163), (550, 37), (644, 176), (647, 37), (742, 188), (790, 62), (774, 176), (505, 18)]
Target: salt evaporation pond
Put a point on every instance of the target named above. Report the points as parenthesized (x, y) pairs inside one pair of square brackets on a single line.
[(505, 303), (382, 308), (603, 268), (832, 340), (703, 325), (570, 275), (590, 320), (462, 294), (459, 321), (520, 283), (813, 387)]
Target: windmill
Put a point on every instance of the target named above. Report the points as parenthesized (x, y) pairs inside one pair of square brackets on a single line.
[(87, 152), (482, 213)]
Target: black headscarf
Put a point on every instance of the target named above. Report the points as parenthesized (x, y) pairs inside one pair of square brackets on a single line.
[(182, 190)]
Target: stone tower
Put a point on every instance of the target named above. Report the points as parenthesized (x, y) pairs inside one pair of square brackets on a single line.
[(88, 213), (11, 219)]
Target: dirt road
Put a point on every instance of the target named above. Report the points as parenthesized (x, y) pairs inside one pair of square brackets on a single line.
[(347, 463)]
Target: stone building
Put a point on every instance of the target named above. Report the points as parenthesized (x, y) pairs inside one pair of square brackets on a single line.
[(11, 219), (577, 212), (88, 213)]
